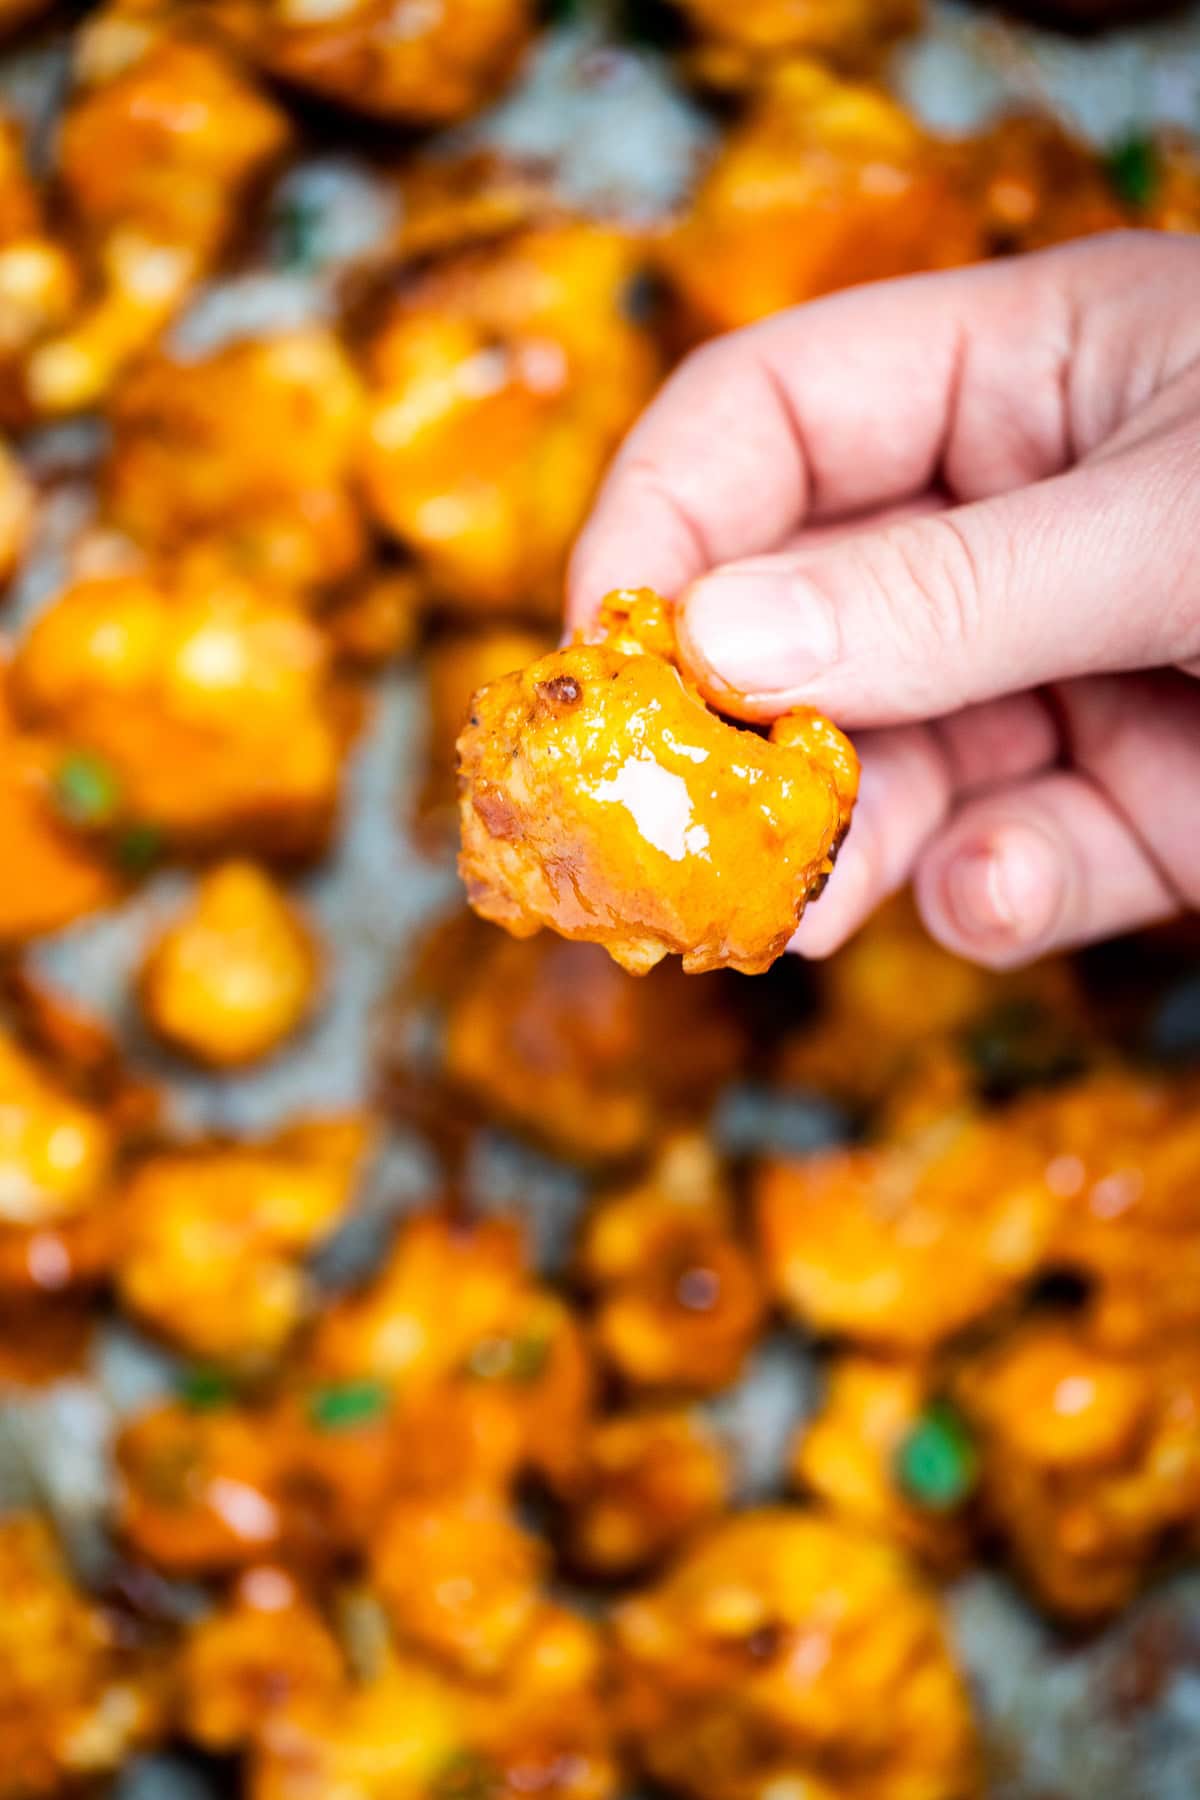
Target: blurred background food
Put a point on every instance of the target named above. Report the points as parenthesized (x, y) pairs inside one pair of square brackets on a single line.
[(435, 1366)]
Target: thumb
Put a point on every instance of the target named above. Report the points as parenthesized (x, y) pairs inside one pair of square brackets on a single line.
[(1092, 571)]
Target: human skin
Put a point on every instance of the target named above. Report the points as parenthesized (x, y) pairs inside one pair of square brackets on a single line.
[(959, 514)]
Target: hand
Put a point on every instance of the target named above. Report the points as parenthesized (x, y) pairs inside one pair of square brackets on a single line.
[(961, 514)]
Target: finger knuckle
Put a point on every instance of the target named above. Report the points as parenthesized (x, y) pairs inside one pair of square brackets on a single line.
[(924, 583)]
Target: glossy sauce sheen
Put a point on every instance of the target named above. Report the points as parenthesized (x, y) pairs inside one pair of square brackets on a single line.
[(603, 798)]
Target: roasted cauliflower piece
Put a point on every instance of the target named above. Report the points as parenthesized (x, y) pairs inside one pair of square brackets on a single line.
[(206, 711), (1090, 1459), (1039, 186), (268, 1647), (217, 1235), (73, 1702), (601, 797), (789, 1652), (249, 450), (234, 975), (901, 1245), (56, 1154), (1169, 200), (216, 1482), (887, 1451), (975, 1030), (824, 184), (416, 62), (547, 1727), (455, 666), (554, 1040), (1121, 1152), (198, 1485), (501, 379), (51, 875), (652, 1479), (61, 1226), (16, 494), (459, 1578), (739, 45), (455, 1307), (161, 147), (401, 1735), (39, 277), (678, 1299)]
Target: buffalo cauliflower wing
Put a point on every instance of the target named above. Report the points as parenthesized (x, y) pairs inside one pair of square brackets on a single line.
[(603, 798)]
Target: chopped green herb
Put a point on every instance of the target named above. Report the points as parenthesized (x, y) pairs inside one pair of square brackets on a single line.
[(205, 1390), (86, 790), (465, 1776), (509, 1358), (343, 1405), (1132, 167), (138, 849), (937, 1465)]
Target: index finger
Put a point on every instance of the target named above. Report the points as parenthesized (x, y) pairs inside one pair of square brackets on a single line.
[(853, 402)]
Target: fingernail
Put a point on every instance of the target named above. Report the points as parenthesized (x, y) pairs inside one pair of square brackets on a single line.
[(757, 631), (1011, 887)]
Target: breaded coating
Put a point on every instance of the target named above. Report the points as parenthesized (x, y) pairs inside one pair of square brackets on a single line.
[(901, 1245), (679, 1302), (72, 1117), (501, 379), (824, 184), (789, 1652), (57, 1156), (1090, 1460), (207, 1485), (161, 147), (886, 1452), (61, 1225), (1173, 201), (427, 64), (407, 1731), (1122, 1156), (454, 667), (168, 146), (548, 1727), (197, 1486), (653, 1479), (204, 709), (1038, 185), (218, 1235), (377, 618), (460, 1580), (975, 1029), (51, 875), (73, 1702), (249, 450), (39, 275), (234, 975), (456, 1306), (390, 1738), (556, 1041), (266, 1648), (601, 797), (744, 43)]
